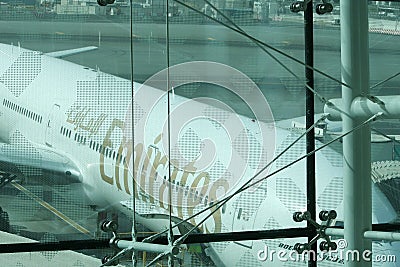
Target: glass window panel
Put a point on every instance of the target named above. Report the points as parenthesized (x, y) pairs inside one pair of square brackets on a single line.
[(235, 102), (46, 201)]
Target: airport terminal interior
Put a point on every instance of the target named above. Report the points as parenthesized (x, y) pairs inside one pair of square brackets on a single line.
[(199, 133)]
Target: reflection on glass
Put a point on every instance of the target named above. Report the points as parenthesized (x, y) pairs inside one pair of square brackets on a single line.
[(217, 115)]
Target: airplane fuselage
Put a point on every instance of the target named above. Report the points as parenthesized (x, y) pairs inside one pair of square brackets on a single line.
[(86, 116)]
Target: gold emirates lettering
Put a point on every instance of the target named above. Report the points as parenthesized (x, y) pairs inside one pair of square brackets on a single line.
[(148, 177)]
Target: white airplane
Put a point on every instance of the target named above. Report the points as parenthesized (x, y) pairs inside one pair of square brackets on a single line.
[(73, 120)]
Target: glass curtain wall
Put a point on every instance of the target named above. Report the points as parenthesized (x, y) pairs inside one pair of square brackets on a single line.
[(179, 117)]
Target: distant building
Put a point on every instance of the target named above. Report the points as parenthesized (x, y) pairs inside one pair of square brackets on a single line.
[(81, 7)]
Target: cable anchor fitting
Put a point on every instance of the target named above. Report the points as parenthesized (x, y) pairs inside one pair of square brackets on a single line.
[(325, 216)]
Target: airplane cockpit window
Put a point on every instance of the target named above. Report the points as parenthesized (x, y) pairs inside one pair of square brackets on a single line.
[(209, 132)]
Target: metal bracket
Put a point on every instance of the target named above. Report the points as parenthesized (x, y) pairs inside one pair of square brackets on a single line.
[(325, 216), (324, 8), (125, 247), (110, 226)]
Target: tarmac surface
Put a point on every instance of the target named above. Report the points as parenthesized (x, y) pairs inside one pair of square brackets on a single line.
[(283, 91)]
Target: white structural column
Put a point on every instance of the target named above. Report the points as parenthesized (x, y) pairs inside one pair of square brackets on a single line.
[(356, 146)]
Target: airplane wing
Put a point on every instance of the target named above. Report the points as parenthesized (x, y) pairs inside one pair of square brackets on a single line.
[(42, 158), (70, 52)]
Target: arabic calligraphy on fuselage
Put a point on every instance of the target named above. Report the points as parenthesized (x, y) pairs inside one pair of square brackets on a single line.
[(83, 118)]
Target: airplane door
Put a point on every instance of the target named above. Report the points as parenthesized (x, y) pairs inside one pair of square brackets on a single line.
[(51, 130)]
